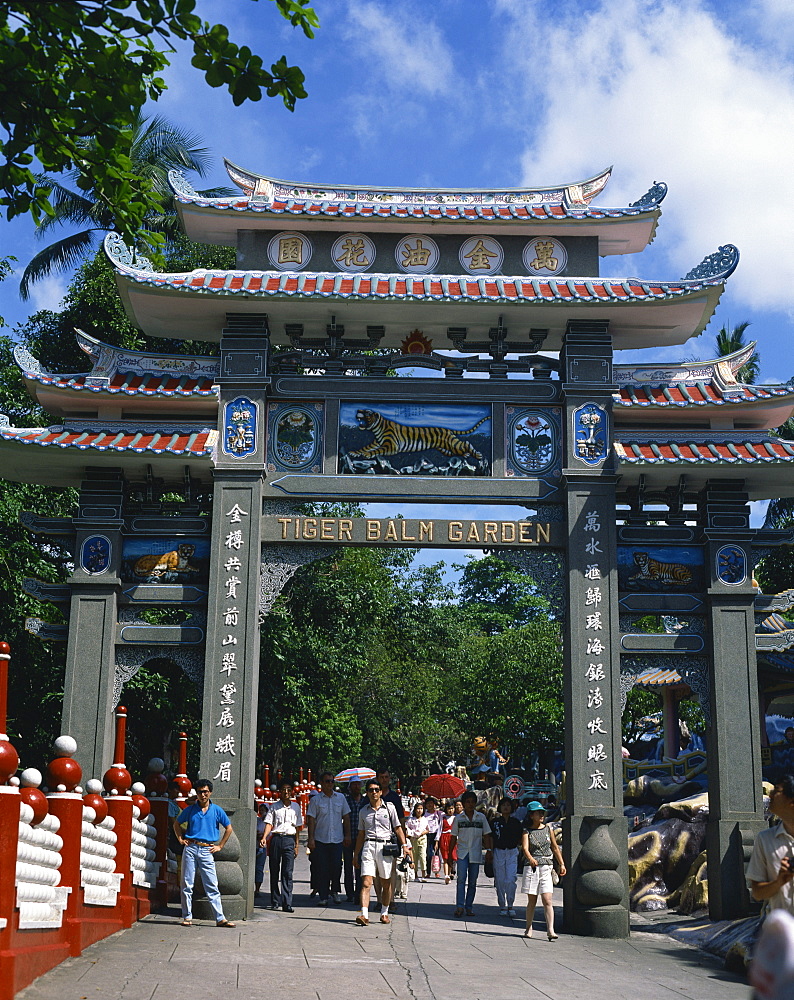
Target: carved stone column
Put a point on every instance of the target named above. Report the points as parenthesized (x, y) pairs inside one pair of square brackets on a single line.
[(735, 800), (595, 843), (231, 672)]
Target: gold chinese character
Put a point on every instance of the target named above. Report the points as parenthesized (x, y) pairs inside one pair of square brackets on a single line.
[(480, 257), (290, 250), (544, 251), (417, 256), (353, 254)]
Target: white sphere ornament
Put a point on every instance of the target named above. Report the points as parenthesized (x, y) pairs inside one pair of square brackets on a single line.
[(114, 791), (138, 788), (60, 788), (156, 765), (14, 781), (78, 789), (94, 786), (65, 746)]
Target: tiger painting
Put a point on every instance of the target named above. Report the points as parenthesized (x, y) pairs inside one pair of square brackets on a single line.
[(653, 571), (178, 561), (393, 438)]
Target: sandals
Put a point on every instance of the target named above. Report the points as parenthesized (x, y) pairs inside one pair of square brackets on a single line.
[(186, 922), (552, 936), (225, 923)]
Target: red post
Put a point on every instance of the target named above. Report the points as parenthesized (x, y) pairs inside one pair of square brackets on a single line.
[(157, 789), (118, 781), (300, 775), (267, 775), (181, 777)]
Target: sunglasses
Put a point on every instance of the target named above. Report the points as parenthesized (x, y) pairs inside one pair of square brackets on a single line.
[(373, 788)]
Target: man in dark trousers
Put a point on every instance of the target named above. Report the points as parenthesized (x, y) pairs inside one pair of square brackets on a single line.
[(283, 822)]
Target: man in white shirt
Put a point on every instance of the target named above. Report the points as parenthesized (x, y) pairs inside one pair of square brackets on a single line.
[(328, 817), (771, 867), (471, 833), (282, 823)]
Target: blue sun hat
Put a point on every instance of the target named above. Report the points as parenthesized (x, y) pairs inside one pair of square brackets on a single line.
[(535, 806)]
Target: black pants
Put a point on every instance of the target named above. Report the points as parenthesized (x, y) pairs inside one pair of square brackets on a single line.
[(431, 850), (352, 875), (329, 865), (282, 860)]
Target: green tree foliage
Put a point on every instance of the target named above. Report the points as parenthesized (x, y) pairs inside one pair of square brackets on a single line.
[(77, 72), (731, 340), (156, 146), (499, 597)]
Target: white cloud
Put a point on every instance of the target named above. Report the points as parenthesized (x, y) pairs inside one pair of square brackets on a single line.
[(403, 47), (48, 293), (664, 92)]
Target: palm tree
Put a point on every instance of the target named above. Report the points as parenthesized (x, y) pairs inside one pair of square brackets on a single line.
[(731, 341), (156, 147)]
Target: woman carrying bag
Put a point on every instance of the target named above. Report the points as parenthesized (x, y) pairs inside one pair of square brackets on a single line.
[(540, 849)]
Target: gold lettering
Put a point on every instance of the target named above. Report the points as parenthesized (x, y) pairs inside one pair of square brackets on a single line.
[(345, 529), (373, 531), (489, 531), (297, 527), (327, 528), (545, 531), (285, 523), (391, 532), (473, 535), (508, 526), (455, 532), (403, 536), (310, 527), (426, 530), (525, 532)]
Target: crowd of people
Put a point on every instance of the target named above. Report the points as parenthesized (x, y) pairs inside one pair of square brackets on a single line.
[(371, 839)]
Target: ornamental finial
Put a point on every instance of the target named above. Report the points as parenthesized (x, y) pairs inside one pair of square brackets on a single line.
[(180, 185), (652, 197), (717, 265), (123, 256)]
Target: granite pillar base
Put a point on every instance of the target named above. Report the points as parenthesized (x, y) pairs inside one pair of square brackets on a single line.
[(595, 849), (234, 866), (728, 848)]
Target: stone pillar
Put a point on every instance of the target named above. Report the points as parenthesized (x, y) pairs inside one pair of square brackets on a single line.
[(735, 797), (93, 614), (595, 842), (231, 675)]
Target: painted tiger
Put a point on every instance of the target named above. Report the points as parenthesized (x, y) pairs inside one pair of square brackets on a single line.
[(392, 438), (653, 571), (177, 561)]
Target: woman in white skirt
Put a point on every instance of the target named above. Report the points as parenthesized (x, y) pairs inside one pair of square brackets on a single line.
[(540, 849)]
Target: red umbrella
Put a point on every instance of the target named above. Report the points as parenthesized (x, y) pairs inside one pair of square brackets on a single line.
[(443, 786)]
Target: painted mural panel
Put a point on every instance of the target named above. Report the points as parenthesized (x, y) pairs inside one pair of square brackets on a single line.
[(295, 436), (657, 568), (95, 555), (165, 560), (415, 439), (533, 441), (731, 565)]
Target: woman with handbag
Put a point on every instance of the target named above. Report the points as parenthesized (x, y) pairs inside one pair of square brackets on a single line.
[(540, 849), (416, 828)]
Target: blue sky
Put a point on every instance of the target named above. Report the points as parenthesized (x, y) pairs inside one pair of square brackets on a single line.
[(477, 93), (489, 93)]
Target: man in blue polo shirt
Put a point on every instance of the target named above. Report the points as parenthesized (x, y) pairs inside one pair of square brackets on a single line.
[(200, 842)]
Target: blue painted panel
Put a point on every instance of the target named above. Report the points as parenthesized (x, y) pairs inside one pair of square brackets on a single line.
[(676, 568), (165, 560), (420, 439), (295, 437), (731, 565), (590, 433), (533, 441), (239, 422), (95, 553)]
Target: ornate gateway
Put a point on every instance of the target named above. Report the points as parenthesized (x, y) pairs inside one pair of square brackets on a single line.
[(494, 298)]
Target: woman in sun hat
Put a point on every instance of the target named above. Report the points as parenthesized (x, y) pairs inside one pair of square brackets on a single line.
[(540, 849)]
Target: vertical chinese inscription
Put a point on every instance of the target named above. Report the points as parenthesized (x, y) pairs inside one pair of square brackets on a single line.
[(231, 621), (594, 671)]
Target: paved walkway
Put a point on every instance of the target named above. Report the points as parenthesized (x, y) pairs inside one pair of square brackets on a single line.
[(425, 954)]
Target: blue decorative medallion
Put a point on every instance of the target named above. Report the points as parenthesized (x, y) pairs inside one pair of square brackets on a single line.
[(731, 565), (296, 436), (590, 433), (95, 555), (532, 441), (239, 436)]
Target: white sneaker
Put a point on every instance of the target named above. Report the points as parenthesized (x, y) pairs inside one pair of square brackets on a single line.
[(511, 912), (503, 913)]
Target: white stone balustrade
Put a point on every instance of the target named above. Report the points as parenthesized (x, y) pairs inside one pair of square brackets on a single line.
[(41, 900), (98, 877), (143, 863)]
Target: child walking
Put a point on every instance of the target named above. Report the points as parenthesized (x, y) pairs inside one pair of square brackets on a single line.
[(416, 828), (448, 856), (471, 833)]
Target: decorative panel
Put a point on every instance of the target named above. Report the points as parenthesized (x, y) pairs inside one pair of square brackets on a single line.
[(165, 560), (533, 441), (295, 437)]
